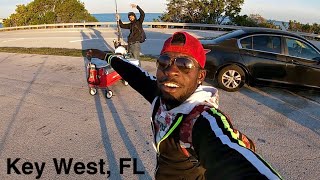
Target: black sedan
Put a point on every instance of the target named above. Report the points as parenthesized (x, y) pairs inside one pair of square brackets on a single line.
[(256, 55)]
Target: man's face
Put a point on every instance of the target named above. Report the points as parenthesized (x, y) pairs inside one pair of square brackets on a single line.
[(177, 85), (132, 18)]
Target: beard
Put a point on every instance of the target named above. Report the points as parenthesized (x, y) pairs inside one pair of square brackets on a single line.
[(170, 101), (174, 98)]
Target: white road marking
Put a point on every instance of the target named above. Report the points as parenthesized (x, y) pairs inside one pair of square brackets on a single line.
[(15, 39), (83, 40), (49, 32), (88, 39)]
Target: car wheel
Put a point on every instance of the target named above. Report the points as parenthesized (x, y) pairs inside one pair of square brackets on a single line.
[(231, 78)]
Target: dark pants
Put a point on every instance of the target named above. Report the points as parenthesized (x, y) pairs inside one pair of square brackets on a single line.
[(134, 49)]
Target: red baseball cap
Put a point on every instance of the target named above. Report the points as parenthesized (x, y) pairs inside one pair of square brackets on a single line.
[(191, 47)]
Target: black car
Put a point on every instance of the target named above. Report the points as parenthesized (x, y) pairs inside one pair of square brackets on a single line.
[(259, 55)]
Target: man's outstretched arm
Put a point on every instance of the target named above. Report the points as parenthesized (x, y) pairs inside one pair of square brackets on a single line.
[(139, 79), (124, 26)]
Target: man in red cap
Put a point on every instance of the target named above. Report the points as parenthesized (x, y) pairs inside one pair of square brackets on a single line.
[(193, 139)]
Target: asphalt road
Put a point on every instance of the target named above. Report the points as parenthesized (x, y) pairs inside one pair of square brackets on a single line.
[(47, 112), (99, 38)]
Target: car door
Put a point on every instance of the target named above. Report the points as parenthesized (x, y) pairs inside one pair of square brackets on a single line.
[(303, 63), (264, 58)]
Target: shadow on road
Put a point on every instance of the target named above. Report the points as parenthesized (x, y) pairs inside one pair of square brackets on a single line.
[(300, 106), (289, 104), (112, 162), (126, 139), (19, 105), (135, 125)]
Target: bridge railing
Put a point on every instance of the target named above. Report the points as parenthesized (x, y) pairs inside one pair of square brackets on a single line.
[(167, 25)]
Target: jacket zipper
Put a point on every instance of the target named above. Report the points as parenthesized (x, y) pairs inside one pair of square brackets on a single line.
[(168, 133)]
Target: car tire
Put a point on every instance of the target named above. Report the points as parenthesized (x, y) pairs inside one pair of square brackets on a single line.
[(231, 78)]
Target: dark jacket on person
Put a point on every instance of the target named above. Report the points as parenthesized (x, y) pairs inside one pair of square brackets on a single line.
[(215, 150), (135, 26)]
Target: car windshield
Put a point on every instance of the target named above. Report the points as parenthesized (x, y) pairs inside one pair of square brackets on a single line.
[(228, 35), (300, 49)]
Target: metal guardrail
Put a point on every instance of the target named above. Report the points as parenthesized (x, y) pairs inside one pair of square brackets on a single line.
[(167, 25), (113, 24), (309, 35)]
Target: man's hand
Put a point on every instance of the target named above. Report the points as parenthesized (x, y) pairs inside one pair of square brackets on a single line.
[(133, 5), (90, 53), (117, 17)]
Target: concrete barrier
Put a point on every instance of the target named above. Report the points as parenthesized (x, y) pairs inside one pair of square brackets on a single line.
[(167, 25)]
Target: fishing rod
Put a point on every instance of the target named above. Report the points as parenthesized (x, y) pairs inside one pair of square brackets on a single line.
[(118, 25)]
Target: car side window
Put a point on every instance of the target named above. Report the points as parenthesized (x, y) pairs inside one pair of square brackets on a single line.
[(300, 49), (246, 43), (267, 43)]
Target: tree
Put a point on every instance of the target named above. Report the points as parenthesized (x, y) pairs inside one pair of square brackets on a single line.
[(201, 11), (243, 20), (253, 20), (175, 11), (297, 26), (49, 12), (316, 28), (261, 21), (294, 26)]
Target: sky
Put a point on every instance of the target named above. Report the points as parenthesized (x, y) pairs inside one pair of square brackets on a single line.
[(304, 11)]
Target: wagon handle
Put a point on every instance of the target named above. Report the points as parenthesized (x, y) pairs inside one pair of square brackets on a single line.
[(89, 56)]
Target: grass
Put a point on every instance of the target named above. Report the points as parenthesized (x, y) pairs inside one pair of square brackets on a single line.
[(58, 52)]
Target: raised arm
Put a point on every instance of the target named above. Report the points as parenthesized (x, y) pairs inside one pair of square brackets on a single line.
[(142, 15), (223, 154)]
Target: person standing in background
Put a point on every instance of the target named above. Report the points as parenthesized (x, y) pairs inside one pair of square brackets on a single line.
[(136, 31)]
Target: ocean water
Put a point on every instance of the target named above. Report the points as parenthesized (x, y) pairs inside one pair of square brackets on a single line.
[(111, 17)]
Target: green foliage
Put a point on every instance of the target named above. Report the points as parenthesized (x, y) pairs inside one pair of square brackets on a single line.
[(201, 11), (297, 26), (49, 12), (253, 20), (174, 13), (243, 21), (261, 21)]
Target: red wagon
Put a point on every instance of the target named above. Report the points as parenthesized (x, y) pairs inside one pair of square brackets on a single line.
[(100, 76)]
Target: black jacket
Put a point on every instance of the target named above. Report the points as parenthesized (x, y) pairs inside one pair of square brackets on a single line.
[(135, 27), (220, 153)]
